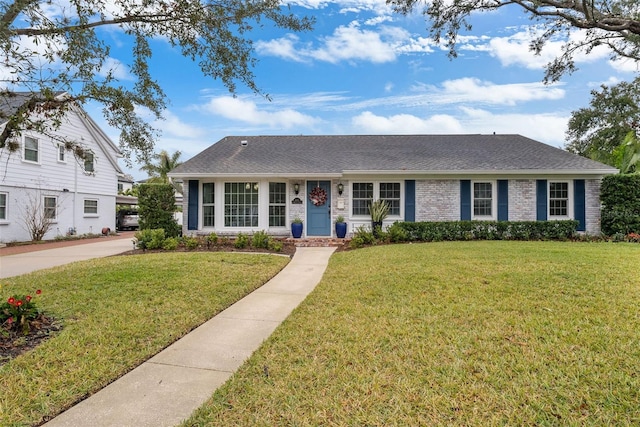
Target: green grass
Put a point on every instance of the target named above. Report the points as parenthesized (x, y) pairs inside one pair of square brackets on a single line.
[(117, 312), (452, 333)]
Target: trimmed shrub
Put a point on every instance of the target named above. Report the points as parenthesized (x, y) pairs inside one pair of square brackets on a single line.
[(260, 239), (157, 203), (480, 230), (620, 197), (150, 238)]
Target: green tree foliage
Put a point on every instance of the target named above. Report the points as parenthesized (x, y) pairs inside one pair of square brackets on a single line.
[(627, 155), (620, 197), (611, 23), (51, 47), (598, 130), (157, 203)]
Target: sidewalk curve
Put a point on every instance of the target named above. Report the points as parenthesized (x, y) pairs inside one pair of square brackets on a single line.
[(167, 388)]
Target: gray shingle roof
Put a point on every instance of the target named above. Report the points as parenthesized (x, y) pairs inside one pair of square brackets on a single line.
[(337, 154)]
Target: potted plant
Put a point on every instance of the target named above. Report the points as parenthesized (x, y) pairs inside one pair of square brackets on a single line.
[(341, 227), (379, 209), (296, 227)]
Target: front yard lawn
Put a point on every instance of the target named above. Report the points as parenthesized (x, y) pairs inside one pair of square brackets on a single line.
[(117, 312), (452, 333)]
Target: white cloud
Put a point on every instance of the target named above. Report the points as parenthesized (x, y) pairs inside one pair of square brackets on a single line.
[(369, 123), (283, 47), (352, 43), (548, 127), (465, 90), (248, 112), (514, 50), (348, 43)]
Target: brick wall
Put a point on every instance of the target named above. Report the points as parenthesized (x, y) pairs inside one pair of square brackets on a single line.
[(522, 200), (438, 200)]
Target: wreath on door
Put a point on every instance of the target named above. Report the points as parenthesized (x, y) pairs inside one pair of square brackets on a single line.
[(318, 196)]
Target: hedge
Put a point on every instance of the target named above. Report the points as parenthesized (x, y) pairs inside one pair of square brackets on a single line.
[(620, 198), (481, 230)]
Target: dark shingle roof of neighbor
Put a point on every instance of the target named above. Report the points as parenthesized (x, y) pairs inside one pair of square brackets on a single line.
[(335, 154)]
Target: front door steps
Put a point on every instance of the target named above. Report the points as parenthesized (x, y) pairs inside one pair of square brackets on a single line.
[(318, 242)]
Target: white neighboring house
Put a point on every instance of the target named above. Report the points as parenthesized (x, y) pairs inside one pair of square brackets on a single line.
[(78, 195)]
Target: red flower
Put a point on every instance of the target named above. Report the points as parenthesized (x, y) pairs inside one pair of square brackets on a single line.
[(10, 320), (19, 303), (11, 300), (28, 298), (38, 292)]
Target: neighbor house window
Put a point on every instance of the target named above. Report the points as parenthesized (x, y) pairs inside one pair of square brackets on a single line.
[(558, 199), (3, 206), (277, 204), (89, 162), (120, 187), (90, 207), (208, 204), (483, 200), (364, 192), (362, 196), (31, 149), (61, 153), (50, 208), (241, 204)]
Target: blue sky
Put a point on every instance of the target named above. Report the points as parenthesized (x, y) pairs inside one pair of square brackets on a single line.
[(365, 70)]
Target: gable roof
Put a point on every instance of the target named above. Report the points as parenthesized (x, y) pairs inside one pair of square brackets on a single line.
[(10, 102), (337, 155)]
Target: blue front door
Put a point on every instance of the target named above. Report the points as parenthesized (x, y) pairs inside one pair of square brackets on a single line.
[(319, 214)]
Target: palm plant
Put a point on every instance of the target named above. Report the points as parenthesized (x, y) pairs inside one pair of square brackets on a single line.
[(164, 163)]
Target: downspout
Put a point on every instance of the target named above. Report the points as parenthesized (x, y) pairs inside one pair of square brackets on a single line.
[(75, 193)]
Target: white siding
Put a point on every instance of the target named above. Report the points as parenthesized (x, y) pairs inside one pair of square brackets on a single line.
[(65, 180)]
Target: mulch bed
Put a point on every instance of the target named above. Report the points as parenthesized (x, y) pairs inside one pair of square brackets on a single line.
[(13, 343)]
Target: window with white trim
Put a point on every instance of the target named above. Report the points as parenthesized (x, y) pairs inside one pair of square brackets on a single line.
[(51, 207), (208, 204), (241, 204), (62, 152), (4, 197), (91, 206), (277, 204), (31, 150), (362, 193), (89, 163), (483, 200), (390, 193), (559, 195)]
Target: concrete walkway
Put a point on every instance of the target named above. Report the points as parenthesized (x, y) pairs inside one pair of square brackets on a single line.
[(167, 388), (15, 265)]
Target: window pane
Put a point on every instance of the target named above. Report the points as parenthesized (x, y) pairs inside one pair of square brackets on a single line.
[(207, 193), (3, 205), (362, 196), (277, 204), (61, 153), (50, 207), (30, 149), (482, 199), (558, 198), (88, 163), (90, 206), (390, 192), (241, 204), (208, 204)]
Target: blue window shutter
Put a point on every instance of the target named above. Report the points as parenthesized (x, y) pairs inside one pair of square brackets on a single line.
[(579, 204), (503, 200), (465, 199), (541, 200), (192, 206), (410, 200)]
